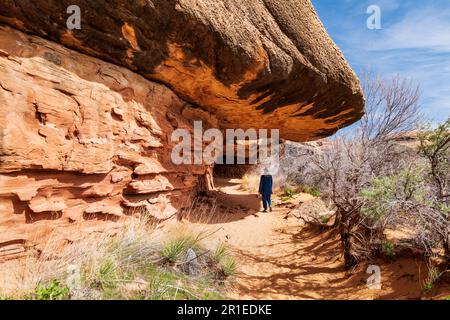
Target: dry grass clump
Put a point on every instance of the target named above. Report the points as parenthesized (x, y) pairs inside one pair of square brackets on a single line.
[(137, 261), (250, 182)]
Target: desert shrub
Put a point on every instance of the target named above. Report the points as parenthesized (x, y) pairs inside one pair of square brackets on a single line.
[(173, 249), (315, 212), (377, 197), (164, 276), (435, 147), (223, 263), (250, 182), (406, 199), (52, 291), (373, 181), (388, 248), (219, 253), (287, 193), (433, 277), (106, 276), (130, 263), (228, 266), (325, 219), (312, 190)]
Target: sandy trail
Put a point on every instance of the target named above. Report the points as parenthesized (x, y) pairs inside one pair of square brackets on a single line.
[(281, 258)]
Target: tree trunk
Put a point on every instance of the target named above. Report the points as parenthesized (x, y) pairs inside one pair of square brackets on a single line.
[(447, 249), (347, 246), (337, 220), (206, 182)]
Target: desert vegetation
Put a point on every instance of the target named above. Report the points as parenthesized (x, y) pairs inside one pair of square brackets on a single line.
[(388, 172), (136, 261)]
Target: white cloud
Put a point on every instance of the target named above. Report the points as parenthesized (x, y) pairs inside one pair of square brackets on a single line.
[(420, 28), (414, 42)]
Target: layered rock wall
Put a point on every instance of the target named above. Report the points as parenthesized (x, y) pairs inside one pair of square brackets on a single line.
[(84, 140), (86, 115)]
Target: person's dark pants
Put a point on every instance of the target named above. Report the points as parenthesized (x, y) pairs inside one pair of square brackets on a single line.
[(267, 202)]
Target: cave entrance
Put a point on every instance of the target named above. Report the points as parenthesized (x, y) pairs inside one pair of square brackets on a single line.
[(226, 175), (231, 170)]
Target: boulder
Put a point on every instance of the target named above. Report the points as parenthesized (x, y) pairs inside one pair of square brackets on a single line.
[(253, 64), (87, 114), (191, 264)]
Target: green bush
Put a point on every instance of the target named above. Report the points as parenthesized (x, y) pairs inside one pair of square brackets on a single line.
[(433, 276), (325, 219), (228, 266), (435, 147), (388, 248), (312, 190), (52, 291), (225, 264), (377, 197), (172, 250), (219, 253), (386, 193), (288, 193), (107, 275)]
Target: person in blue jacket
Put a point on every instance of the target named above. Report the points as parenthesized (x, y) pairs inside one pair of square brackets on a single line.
[(265, 190)]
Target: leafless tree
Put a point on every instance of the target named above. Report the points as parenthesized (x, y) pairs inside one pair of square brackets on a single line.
[(392, 107), (346, 167)]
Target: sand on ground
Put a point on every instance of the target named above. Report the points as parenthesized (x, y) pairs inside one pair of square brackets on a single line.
[(280, 257)]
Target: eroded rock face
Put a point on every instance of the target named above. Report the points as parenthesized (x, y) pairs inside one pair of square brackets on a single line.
[(254, 64), (82, 140)]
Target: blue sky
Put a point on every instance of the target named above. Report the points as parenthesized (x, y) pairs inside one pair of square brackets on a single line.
[(414, 42)]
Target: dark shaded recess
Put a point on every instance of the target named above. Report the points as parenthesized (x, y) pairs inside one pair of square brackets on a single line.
[(231, 170), (314, 90), (12, 242), (100, 217), (39, 173), (32, 217)]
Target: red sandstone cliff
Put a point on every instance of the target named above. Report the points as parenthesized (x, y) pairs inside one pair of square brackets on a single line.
[(83, 139)]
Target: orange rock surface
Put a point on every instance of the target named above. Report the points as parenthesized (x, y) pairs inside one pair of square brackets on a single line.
[(85, 132), (83, 140)]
